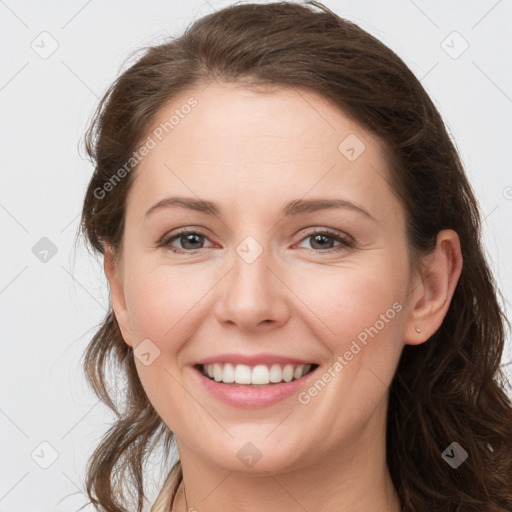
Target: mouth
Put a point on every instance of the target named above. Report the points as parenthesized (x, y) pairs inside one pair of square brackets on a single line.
[(254, 376)]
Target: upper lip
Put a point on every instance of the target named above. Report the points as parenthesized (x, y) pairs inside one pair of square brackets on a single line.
[(252, 360)]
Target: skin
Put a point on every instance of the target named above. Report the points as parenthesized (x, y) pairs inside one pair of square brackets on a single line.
[(252, 151)]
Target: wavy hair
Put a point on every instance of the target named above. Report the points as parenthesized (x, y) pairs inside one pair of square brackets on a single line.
[(448, 389)]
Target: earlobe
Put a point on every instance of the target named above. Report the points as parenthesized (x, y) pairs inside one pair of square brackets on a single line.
[(432, 295), (116, 284)]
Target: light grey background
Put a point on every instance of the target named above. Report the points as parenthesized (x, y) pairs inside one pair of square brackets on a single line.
[(51, 309)]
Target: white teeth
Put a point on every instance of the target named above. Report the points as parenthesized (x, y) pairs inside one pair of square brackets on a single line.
[(229, 373), (276, 374), (288, 373), (242, 374), (258, 375), (217, 372)]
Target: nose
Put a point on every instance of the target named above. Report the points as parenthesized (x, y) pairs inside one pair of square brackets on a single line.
[(253, 296)]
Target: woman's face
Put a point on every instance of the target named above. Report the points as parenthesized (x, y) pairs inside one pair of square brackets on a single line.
[(266, 278)]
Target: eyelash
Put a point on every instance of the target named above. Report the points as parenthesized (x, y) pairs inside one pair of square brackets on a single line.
[(345, 242)]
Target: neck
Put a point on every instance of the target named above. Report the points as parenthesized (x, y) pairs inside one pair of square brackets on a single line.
[(354, 478)]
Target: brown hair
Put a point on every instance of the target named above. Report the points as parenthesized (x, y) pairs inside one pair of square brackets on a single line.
[(447, 389)]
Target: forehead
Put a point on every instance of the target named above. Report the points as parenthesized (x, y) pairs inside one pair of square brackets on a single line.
[(239, 118), (258, 145)]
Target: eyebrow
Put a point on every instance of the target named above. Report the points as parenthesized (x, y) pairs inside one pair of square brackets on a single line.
[(295, 207)]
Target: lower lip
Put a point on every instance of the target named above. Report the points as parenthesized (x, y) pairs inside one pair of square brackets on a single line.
[(253, 397)]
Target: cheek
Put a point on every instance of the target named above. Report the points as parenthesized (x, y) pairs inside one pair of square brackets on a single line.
[(162, 301), (163, 305), (361, 311), (364, 313)]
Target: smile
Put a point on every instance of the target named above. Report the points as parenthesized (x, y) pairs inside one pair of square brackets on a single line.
[(254, 375), (253, 382)]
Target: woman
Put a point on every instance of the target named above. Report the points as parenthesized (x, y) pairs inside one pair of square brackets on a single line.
[(300, 299)]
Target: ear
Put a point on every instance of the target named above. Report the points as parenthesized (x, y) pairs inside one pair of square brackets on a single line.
[(116, 282), (433, 290)]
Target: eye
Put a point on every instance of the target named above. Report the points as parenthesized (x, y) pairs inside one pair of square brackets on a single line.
[(322, 240), (190, 241)]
